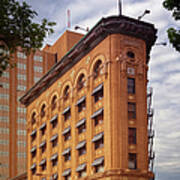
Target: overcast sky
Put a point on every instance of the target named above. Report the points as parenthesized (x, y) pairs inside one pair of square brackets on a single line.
[(164, 73)]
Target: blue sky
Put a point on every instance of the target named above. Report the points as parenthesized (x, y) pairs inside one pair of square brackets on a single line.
[(164, 72)]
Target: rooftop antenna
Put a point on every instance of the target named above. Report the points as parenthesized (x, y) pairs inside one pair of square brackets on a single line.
[(68, 18), (120, 7)]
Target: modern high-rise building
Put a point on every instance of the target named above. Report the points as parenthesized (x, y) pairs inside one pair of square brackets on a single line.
[(87, 117), (13, 84)]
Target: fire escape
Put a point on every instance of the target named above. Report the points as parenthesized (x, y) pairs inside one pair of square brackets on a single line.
[(150, 113)]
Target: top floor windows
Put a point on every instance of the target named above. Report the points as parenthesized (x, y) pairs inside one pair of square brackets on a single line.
[(131, 85), (53, 102), (97, 69), (38, 58), (21, 55), (66, 93), (130, 54), (33, 118), (43, 112), (81, 82)]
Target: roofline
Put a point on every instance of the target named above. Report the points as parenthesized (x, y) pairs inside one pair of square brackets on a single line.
[(103, 28)]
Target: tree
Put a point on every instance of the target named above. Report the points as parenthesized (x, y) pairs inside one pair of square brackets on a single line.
[(17, 29), (173, 34)]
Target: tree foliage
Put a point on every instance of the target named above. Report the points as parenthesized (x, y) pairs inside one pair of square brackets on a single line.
[(17, 29), (174, 33)]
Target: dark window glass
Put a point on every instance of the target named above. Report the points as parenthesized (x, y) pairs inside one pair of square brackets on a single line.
[(131, 85), (81, 82), (131, 110), (33, 154), (67, 177), (43, 167), (54, 162), (130, 54), (33, 118), (98, 119), (98, 96), (54, 123), (43, 130), (33, 170), (99, 144), (97, 68), (43, 111), (43, 148), (132, 135), (132, 161), (67, 115), (66, 93), (67, 157), (99, 168), (33, 137), (82, 128), (67, 136), (82, 106), (53, 103), (82, 173), (82, 151), (54, 142)]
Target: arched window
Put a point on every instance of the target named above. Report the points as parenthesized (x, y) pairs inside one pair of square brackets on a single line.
[(130, 54), (53, 102), (97, 68), (66, 92), (81, 82), (33, 118), (43, 110)]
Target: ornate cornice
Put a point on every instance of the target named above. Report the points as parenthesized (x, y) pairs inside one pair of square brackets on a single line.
[(105, 27)]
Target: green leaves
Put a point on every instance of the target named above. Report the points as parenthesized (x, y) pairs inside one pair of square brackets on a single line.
[(17, 29), (174, 38), (174, 33)]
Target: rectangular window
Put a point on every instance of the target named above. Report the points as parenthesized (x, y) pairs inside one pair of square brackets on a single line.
[(4, 119), (67, 115), (21, 132), (5, 74), (82, 151), (131, 85), (4, 130), (132, 161), (82, 106), (82, 173), (67, 136), (21, 88), (98, 120), (54, 121), (4, 96), (4, 85), (131, 110), (38, 69), (82, 128), (36, 79), (132, 135), (38, 58), (99, 144), (67, 157), (21, 55), (21, 66), (21, 77)]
